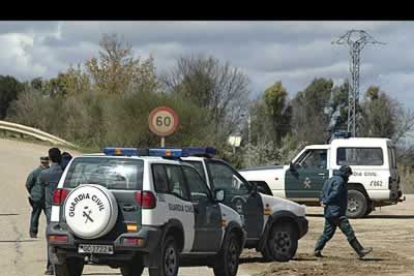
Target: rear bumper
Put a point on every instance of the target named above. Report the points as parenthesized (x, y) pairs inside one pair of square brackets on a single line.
[(122, 252), (303, 225)]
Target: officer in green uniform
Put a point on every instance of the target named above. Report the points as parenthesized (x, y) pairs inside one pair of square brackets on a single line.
[(49, 180), (334, 199), (36, 195)]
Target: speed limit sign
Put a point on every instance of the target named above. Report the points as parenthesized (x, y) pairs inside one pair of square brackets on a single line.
[(163, 121)]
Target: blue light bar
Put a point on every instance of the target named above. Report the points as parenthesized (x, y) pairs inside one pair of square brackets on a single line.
[(342, 134), (165, 152), (121, 151), (199, 151), (161, 152)]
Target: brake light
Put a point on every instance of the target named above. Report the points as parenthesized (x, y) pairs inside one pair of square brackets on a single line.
[(146, 199), (58, 238), (59, 195)]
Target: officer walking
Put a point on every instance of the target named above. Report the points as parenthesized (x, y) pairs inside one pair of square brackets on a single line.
[(334, 199), (36, 196), (49, 180)]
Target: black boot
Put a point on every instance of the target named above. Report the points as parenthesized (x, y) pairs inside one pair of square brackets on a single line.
[(359, 249), (318, 248)]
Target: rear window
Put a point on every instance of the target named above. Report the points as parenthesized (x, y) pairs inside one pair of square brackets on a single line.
[(391, 156), (360, 156), (112, 173)]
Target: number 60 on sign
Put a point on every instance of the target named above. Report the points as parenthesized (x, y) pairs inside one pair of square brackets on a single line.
[(163, 121)]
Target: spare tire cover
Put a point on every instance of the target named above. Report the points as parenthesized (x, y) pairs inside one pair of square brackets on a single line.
[(90, 211)]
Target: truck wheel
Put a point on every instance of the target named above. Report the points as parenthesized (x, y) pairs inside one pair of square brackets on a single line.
[(357, 204), (168, 264), (134, 268), (227, 261), (71, 267), (282, 243)]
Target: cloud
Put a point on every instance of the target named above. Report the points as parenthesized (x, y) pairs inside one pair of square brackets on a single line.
[(293, 52)]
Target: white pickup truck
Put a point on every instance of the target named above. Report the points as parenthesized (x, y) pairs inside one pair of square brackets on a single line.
[(375, 181)]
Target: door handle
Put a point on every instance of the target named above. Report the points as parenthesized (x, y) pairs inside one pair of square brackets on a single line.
[(321, 174), (128, 208)]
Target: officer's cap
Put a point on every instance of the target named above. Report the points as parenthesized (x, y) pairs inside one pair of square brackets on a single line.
[(44, 159)]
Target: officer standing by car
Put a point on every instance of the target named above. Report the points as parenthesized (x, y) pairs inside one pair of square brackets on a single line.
[(49, 180), (334, 199), (36, 195)]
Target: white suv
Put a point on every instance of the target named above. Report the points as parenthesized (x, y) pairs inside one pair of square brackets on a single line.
[(128, 210), (375, 181)]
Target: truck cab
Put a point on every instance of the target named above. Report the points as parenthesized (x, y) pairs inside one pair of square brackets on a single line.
[(375, 181)]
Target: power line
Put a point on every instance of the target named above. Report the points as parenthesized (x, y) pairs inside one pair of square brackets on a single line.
[(356, 40)]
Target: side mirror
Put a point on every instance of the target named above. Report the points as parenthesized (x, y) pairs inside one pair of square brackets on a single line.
[(291, 167), (219, 195)]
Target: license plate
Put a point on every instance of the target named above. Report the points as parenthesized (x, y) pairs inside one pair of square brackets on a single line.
[(96, 249)]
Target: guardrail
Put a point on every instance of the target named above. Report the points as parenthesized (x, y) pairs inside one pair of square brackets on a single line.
[(35, 133)]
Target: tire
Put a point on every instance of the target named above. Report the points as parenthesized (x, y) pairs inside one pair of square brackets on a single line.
[(169, 262), (71, 267), (282, 243), (135, 268), (369, 211), (357, 204), (227, 261)]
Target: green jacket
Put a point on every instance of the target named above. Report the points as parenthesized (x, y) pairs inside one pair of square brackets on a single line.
[(33, 185), (49, 180)]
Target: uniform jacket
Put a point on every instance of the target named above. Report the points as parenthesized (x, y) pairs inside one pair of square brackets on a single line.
[(33, 185), (49, 179), (335, 195)]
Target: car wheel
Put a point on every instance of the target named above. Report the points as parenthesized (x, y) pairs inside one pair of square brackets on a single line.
[(71, 267), (135, 268), (227, 262), (168, 264), (282, 243), (357, 204)]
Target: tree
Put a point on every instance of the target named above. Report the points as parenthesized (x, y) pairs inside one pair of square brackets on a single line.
[(219, 88), (9, 90), (311, 114), (384, 116), (278, 111), (118, 71)]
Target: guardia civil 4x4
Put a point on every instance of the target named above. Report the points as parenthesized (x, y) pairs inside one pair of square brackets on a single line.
[(128, 210)]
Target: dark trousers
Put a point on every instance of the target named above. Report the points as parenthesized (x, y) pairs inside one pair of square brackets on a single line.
[(331, 223), (48, 212), (37, 208)]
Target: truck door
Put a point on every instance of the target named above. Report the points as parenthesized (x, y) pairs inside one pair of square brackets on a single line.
[(239, 196), (305, 178)]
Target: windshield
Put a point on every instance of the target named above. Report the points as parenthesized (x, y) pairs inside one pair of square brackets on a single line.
[(112, 173)]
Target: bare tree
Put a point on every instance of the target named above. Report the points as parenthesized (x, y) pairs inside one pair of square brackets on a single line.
[(219, 88)]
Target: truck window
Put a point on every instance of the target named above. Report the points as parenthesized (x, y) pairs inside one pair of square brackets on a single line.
[(391, 156), (225, 178), (160, 178), (359, 156), (314, 158), (198, 166), (121, 174), (198, 188), (176, 181)]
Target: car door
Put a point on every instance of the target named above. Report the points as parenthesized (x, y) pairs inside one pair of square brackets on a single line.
[(239, 196), (305, 178), (208, 230)]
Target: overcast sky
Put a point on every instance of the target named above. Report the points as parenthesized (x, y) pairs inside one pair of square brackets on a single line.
[(294, 52)]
